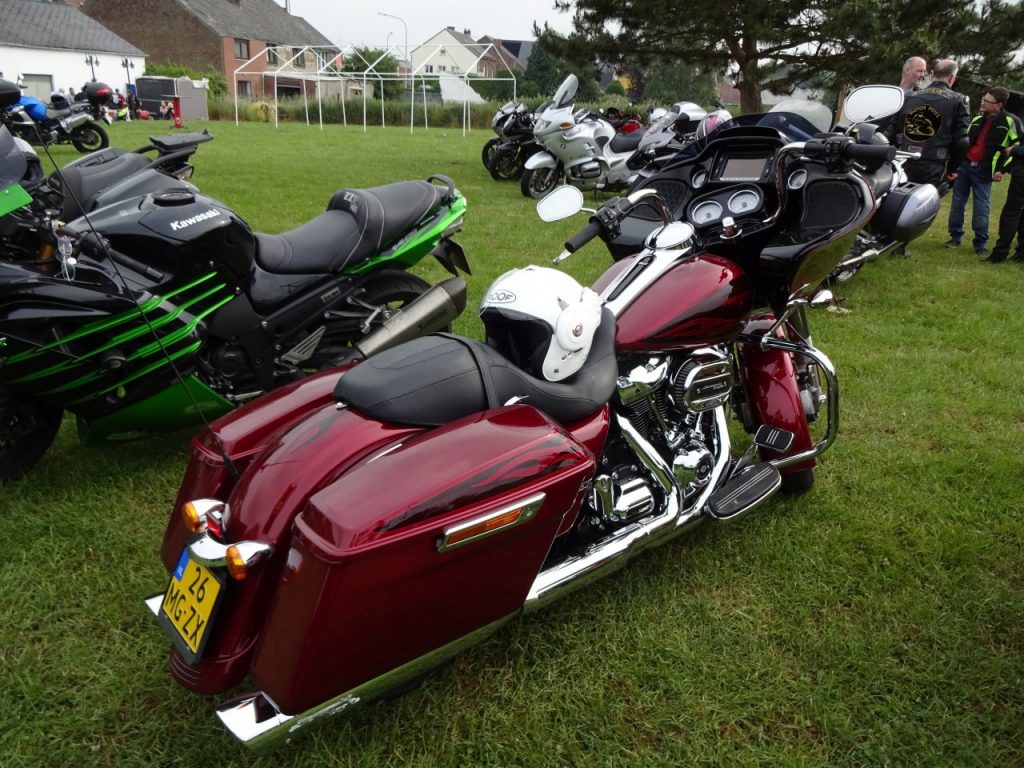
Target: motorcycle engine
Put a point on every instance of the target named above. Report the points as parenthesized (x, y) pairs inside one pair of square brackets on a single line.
[(669, 403)]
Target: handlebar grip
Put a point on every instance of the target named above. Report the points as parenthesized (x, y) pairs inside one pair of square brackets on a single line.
[(584, 236), (871, 152)]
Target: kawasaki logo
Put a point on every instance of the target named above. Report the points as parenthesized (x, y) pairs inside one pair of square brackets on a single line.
[(185, 223)]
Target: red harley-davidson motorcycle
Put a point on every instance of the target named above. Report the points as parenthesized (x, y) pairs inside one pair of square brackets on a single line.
[(346, 534)]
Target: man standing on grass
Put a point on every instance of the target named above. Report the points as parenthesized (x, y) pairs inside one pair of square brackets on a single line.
[(933, 122), (989, 134), (1011, 220)]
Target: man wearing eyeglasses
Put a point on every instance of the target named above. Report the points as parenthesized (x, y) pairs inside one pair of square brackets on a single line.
[(989, 134)]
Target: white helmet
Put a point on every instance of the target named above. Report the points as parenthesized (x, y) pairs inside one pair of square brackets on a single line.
[(542, 320)]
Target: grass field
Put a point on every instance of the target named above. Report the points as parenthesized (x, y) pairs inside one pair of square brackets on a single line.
[(876, 621)]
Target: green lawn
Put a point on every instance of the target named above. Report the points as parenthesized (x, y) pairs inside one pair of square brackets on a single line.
[(874, 621)]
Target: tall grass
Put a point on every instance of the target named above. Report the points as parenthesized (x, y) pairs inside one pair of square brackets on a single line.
[(875, 621)]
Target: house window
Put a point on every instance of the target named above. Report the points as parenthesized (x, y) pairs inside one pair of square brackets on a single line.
[(272, 57), (442, 68), (245, 89), (429, 69), (241, 49), (300, 57)]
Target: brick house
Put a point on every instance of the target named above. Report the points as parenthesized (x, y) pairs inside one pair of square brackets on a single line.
[(257, 36)]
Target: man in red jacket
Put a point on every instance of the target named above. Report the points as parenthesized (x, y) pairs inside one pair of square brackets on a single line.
[(989, 134)]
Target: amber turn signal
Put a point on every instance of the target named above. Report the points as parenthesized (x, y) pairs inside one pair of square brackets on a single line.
[(236, 564), (194, 519)]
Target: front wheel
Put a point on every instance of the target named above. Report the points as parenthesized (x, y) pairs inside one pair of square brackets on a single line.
[(385, 294), (537, 182), (27, 429), (506, 164), (89, 138), (488, 151)]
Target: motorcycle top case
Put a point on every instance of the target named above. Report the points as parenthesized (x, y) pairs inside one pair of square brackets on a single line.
[(9, 94), (418, 545)]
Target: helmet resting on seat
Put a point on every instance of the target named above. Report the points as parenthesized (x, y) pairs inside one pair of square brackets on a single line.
[(542, 320)]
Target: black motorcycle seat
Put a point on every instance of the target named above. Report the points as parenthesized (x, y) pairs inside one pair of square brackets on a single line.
[(626, 142), (356, 224), (82, 184), (436, 379)]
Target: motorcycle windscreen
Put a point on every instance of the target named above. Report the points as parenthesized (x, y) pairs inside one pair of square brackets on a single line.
[(415, 548)]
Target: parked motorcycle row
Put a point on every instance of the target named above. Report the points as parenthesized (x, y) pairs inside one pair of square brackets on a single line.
[(600, 152), (589, 425)]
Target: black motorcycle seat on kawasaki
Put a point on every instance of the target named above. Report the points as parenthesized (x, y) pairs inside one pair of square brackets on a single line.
[(436, 379), (626, 142), (356, 224), (82, 183)]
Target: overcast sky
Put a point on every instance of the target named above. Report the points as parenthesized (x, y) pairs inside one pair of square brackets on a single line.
[(360, 24)]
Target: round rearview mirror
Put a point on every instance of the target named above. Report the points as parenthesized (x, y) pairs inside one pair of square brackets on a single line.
[(872, 102), (560, 204)]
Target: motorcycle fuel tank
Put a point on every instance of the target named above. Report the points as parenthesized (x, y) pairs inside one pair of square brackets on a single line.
[(702, 300)]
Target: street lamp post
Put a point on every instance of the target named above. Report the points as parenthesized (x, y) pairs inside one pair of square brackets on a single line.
[(93, 62), (406, 27)]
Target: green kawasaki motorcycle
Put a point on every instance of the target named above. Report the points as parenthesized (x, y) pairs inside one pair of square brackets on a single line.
[(166, 308)]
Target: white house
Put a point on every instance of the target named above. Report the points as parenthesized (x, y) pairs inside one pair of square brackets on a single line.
[(51, 46), (457, 53)]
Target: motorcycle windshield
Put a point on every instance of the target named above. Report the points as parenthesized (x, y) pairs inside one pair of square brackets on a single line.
[(566, 93), (12, 160)]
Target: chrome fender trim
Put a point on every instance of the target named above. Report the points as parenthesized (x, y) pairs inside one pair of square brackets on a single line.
[(541, 160)]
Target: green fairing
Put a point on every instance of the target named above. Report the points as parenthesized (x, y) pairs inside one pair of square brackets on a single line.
[(13, 198), (411, 251), (169, 409)]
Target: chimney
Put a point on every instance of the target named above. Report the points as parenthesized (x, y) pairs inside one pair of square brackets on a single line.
[(466, 33)]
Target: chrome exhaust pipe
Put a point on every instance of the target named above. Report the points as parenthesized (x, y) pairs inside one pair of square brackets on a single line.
[(428, 313)]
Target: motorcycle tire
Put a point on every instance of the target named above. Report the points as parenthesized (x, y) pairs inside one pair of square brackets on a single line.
[(27, 429), (506, 165), (393, 288), (795, 483), (488, 150), (537, 182), (89, 138)]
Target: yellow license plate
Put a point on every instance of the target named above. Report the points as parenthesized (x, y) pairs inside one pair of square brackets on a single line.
[(188, 604)]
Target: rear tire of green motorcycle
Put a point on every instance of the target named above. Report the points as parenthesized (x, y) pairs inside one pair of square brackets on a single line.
[(27, 429), (89, 138)]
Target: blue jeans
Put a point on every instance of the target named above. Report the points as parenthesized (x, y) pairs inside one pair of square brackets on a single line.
[(970, 179)]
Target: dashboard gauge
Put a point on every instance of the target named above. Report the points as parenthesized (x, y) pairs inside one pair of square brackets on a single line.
[(744, 201), (797, 179), (706, 212), (698, 179)]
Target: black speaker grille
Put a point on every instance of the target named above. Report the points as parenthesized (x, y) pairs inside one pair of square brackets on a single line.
[(830, 204)]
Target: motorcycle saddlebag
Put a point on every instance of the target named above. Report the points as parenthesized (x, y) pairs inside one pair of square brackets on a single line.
[(417, 547), (9, 94), (907, 212)]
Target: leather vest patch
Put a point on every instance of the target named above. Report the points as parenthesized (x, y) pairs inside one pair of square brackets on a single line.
[(923, 123)]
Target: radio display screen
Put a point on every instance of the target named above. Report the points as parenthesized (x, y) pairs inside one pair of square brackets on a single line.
[(743, 168)]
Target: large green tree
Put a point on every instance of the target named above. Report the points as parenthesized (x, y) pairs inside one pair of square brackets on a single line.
[(777, 45), (361, 59)]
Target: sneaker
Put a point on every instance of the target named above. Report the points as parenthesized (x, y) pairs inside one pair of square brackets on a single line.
[(952, 243), (983, 254), (1018, 256)]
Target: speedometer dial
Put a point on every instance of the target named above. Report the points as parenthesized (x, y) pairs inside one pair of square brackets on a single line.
[(744, 201), (706, 212)]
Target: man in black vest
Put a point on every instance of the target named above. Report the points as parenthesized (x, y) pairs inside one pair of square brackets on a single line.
[(990, 133), (934, 122)]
